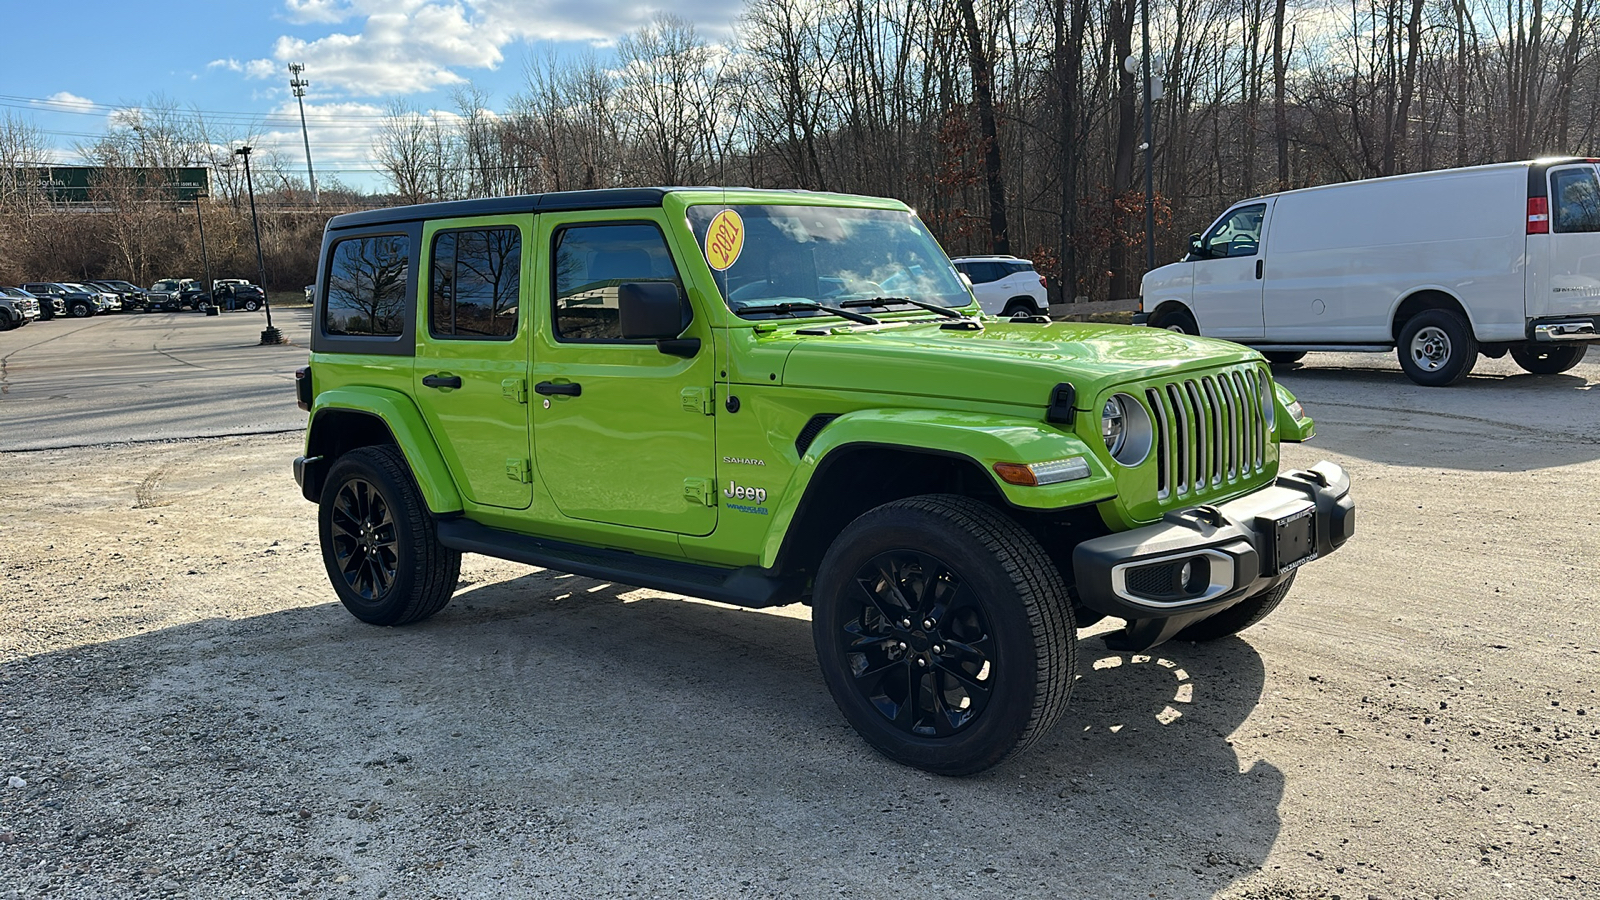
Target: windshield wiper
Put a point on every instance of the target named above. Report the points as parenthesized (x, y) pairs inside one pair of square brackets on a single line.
[(945, 311), (789, 306)]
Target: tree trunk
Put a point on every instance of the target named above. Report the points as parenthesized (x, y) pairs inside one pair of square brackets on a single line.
[(982, 92), (1127, 134)]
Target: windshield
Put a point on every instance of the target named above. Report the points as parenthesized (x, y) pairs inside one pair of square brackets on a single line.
[(164, 286), (765, 256)]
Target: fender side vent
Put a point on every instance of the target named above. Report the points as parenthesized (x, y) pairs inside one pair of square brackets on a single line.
[(809, 433)]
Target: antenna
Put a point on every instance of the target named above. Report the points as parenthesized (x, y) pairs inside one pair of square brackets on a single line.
[(298, 85)]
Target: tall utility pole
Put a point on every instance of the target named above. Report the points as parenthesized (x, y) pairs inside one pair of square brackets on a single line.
[(1149, 149), (299, 86)]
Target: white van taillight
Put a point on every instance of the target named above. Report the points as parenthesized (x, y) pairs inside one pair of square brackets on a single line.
[(1538, 215)]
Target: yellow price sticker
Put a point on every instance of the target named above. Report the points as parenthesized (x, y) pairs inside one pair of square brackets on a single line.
[(724, 240)]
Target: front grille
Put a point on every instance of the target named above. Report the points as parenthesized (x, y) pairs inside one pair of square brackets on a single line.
[(1210, 431)]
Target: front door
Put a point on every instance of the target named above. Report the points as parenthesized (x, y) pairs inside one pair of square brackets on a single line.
[(472, 354), (623, 433), (1228, 274)]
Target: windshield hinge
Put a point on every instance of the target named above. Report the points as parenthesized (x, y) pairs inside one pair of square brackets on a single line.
[(515, 390), (699, 400), (520, 470), (699, 491)]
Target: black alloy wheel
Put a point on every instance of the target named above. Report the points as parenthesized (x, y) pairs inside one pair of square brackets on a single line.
[(944, 633), (364, 541), (919, 644), (379, 542), (81, 310)]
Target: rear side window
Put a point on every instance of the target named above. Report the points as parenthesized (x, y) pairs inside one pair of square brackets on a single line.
[(1575, 200), (367, 286), (984, 272), (591, 261), (476, 284)]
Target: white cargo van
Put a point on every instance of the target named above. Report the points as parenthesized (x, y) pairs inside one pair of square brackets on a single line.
[(1438, 266)]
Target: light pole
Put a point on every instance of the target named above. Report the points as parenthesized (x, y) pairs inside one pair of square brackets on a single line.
[(269, 335), (299, 86), (1149, 149)]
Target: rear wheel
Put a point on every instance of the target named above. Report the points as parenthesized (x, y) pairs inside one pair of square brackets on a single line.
[(1179, 320), (1020, 306), (252, 305), (1549, 360), (1283, 357), (1238, 617), (379, 542), (1436, 348), (944, 633)]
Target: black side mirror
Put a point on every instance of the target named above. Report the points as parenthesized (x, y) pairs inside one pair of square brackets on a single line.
[(1196, 249), (655, 311)]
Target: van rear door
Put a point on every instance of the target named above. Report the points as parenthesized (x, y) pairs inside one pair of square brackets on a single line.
[(1564, 275), (1227, 272)]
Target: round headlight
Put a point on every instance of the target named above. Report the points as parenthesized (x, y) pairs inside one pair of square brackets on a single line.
[(1112, 425), (1269, 409), (1125, 427)]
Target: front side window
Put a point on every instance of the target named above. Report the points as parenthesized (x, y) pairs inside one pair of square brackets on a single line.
[(1575, 200), (829, 255), (368, 281), (1236, 234), (590, 262), (476, 284)]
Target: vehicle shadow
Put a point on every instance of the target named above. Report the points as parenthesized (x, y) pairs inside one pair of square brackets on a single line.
[(633, 743), (1509, 422)]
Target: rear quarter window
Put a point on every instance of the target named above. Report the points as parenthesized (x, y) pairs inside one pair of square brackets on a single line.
[(368, 287)]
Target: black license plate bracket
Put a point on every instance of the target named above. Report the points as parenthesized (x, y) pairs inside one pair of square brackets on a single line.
[(1294, 539)]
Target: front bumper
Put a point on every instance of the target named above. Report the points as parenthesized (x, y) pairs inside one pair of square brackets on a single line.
[(1197, 562)]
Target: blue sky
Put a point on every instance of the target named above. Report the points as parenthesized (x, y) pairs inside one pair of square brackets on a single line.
[(228, 59)]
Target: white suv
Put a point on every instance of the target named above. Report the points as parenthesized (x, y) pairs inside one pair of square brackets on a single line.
[(1005, 285)]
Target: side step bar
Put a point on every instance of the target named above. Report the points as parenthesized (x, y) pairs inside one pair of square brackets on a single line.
[(748, 586)]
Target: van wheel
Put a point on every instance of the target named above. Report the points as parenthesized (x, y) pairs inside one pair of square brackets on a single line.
[(944, 633), (1436, 348), (1238, 617), (379, 542), (1283, 357), (1179, 320), (1549, 360)]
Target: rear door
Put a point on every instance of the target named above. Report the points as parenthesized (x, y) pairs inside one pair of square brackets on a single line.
[(471, 374), (1228, 273), (1571, 265)]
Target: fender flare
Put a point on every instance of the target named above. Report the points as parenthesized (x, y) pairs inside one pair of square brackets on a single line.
[(404, 421), (981, 439)]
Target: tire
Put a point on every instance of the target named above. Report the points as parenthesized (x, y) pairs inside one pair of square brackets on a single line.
[(252, 305), (1179, 320), (1542, 360), (5, 322), (1436, 348), (1238, 617), (1020, 306), (80, 311), (995, 650), (1283, 357), (379, 542)]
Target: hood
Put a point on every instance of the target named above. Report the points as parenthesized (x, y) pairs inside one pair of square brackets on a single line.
[(1004, 363)]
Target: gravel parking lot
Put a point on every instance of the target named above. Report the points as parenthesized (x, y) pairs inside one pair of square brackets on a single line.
[(185, 710)]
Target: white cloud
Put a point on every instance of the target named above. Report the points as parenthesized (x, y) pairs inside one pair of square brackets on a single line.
[(408, 46), (70, 102), (232, 65)]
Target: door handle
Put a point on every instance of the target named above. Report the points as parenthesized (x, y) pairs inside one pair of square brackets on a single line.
[(565, 388), (1258, 270), (441, 381)]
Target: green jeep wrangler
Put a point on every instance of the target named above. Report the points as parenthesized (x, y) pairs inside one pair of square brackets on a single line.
[(774, 397)]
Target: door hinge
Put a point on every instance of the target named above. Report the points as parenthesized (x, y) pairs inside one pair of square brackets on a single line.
[(515, 390), (700, 491), (520, 470), (699, 400)]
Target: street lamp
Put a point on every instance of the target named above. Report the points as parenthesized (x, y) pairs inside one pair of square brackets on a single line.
[(269, 335)]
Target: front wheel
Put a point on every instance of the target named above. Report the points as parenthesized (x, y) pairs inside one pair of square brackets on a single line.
[(81, 311), (944, 633), (1283, 357), (1179, 320), (1541, 360), (379, 542), (1436, 348)]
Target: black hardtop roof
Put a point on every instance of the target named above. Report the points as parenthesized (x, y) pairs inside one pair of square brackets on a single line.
[(555, 201)]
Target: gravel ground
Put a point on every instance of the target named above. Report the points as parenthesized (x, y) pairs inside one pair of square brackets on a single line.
[(185, 712)]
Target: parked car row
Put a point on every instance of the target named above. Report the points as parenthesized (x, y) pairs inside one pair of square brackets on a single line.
[(35, 300)]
